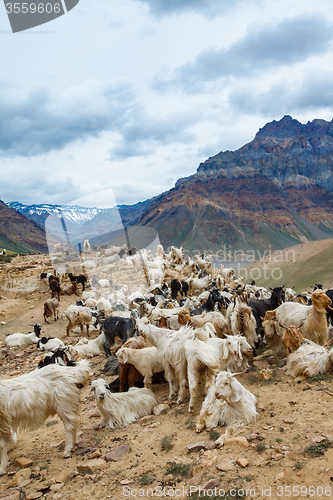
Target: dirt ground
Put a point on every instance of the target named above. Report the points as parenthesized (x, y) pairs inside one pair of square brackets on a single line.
[(287, 452)]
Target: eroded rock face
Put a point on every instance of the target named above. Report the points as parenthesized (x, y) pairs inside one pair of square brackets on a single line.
[(276, 190)]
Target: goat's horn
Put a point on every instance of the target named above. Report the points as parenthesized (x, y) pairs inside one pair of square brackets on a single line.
[(282, 325), (299, 326), (330, 307), (284, 284)]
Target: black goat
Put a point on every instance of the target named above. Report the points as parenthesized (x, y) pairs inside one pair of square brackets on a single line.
[(116, 326), (79, 279), (178, 286), (59, 356), (260, 306), (209, 305)]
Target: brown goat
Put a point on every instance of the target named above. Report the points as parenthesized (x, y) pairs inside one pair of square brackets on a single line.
[(292, 339), (51, 308), (184, 317), (128, 373), (55, 287), (70, 289), (163, 323)]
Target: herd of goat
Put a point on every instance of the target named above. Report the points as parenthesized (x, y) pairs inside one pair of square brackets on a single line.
[(196, 325)]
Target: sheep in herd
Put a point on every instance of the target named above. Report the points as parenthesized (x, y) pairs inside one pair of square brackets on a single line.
[(309, 360), (227, 403), (90, 349), (314, 327), (27, 401), (292, 339), (78, 316), (49, 343), (20, 339), (147, 361), (51, 308), (86, 246), (124, 408)]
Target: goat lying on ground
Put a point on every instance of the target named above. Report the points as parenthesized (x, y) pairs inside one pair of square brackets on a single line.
[(49, 343), (51, 308), (124, 408), (309, 360), (58, 356), (27, 401), (238, 405), (87, 350), (19, 339), (292, 339)]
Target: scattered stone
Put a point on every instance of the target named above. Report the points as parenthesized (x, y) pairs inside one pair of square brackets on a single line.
[(159, 408), (13, 494), (91, 466), (277, 456), (15, 372), (271, 360), (252, 436), (225, 466), (64, 476), (196, 447), (56, 487), (35, 494), (242, 462), (22, 476), (126, 481), (282, 363), (95, 454), (289, 421), (318, 439), (307, 387), (195, 480), (118, 453), (23, 462), (279, 476), (212, 483), (237, 441)]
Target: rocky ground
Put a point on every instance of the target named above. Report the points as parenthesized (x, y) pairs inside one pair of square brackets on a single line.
[(286, 453)]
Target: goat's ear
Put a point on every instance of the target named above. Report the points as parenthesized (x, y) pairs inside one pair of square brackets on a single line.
[(240, 352), (237, 390)]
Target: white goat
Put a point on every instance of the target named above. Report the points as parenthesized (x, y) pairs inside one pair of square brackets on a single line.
[(49, 343), (198, 285), (20, 339), (173, 357), (78, 316), (89, 349), (238, 405), (124, 408), (86, 246), (147, 361), (310, 359), (27, 401)]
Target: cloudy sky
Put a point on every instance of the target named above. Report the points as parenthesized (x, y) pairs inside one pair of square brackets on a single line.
[(131, 95)]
